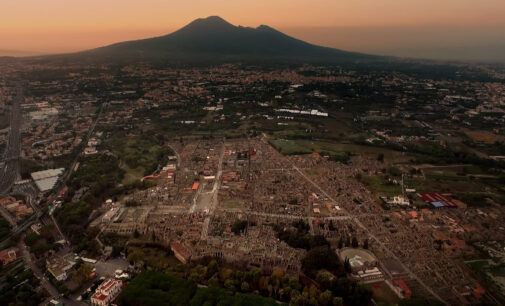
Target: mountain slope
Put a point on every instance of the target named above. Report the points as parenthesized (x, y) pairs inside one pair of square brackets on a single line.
[(215, 38)]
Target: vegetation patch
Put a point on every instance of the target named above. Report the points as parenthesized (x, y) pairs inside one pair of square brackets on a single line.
[(380, 185), (158, 288), (139, 156)]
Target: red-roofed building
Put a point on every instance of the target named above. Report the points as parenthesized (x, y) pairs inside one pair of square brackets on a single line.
[(479, 292), (106, 292), (195, 186), (407, 294), (9, 255), (7, 200), (445, 199), (180, 252)]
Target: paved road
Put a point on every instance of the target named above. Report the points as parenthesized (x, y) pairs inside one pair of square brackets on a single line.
[(7, 216), (176, 154), (44, 281), (68, 174), (10, 171), (214, 199)]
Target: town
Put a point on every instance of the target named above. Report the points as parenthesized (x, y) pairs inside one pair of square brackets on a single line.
[(391, 180)]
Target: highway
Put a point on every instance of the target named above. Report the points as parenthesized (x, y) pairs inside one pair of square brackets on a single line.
[(10, 171)]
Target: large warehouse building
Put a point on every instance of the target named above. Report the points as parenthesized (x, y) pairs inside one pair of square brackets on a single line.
[(47, 179)]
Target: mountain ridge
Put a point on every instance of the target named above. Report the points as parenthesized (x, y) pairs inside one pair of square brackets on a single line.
[(213, 37)]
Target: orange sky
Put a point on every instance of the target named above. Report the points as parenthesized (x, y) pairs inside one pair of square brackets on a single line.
[(50, 26)]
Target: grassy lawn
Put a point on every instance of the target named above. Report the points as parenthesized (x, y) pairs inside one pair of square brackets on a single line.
[(131, 175), (290, 147), (230, 204), (139, 156), (490, 273), (379, 185), (302, 146), (152, 257)]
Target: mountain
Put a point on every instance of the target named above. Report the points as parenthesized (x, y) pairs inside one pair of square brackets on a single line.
[(215, 39)]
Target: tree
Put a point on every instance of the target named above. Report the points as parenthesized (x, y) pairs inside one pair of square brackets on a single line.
[(340, 243), (324, 279), (263, 283), (82, 274), (338, 301), (214, 281), (326, 298), (347, 241), (225, 274), (238, 226), (212, 268), (380, 157), (195, 277), (31, 238), (355, 242), (229, 284), (347, 265), (244, 287), (365, 244), (331, 227), (318, 258)]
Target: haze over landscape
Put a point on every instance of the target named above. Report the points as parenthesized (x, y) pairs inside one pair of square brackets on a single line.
[(252, 153), (452, 29)]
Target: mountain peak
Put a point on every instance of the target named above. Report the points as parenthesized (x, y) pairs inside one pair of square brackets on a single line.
[(215, 38), (211, 21)]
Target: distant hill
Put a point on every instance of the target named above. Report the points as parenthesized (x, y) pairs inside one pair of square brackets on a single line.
[(215, 39)]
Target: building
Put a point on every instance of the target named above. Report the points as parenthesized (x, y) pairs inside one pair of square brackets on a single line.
[(397, 200), (363, 265), (55, 303), (405, 290), (180, 252), (47, 179), (58, 267), (441, 200), (111, 215), (106, 292), (9, 255), (16, 207)]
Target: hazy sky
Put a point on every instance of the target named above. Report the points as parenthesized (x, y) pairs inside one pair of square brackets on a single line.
[(375, 26)]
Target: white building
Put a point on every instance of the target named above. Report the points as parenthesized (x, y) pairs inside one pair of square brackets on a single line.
[(106, 292), (58, 267), (401, 200), (47, 179)]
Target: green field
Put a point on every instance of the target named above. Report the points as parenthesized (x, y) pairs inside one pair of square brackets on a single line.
[(290, 147), (380, 185), (158, 288), (153, 257), (231, 204), (491, 273), (139, 156), (471, 184), (303, 146)]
